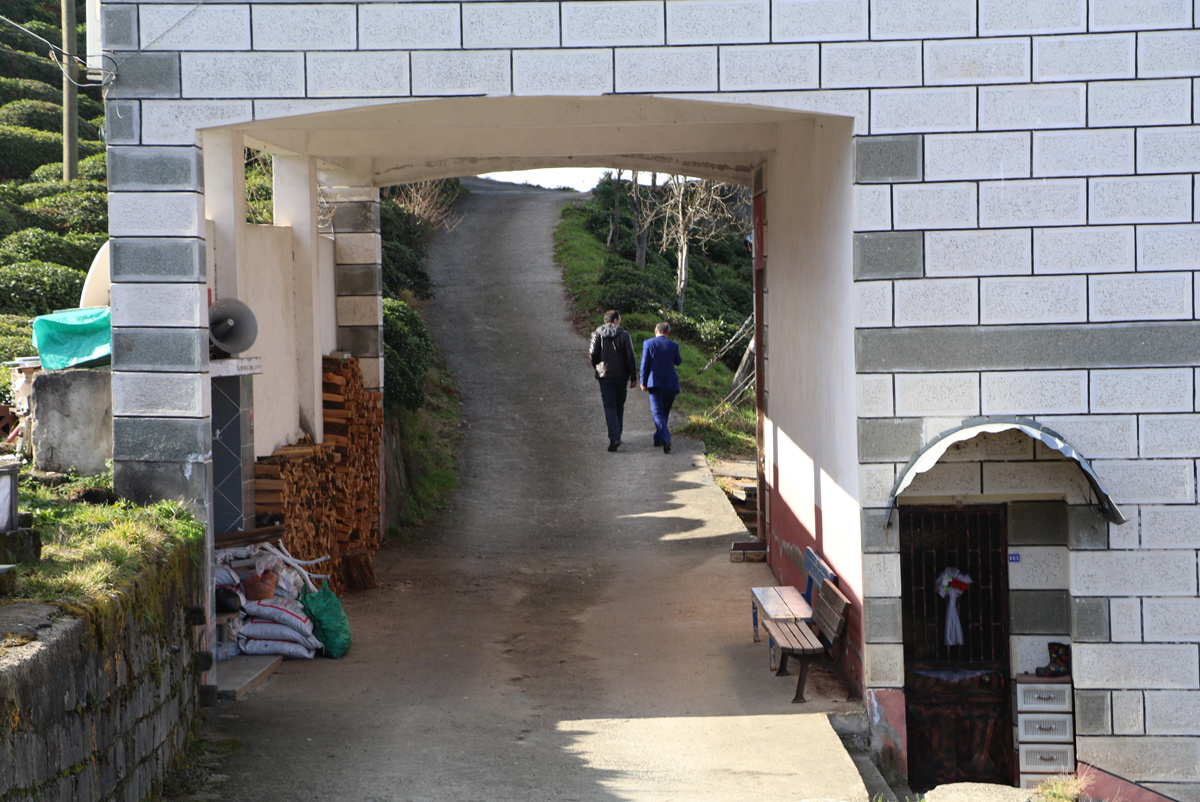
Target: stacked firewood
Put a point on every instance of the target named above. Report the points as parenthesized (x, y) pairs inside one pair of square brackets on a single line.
[(354, 429), (326, 495), (292, 487)]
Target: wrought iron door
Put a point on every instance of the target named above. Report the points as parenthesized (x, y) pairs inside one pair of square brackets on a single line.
[(957, 697)]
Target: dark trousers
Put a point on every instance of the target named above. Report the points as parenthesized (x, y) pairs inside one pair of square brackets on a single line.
[(660, 410), (613, 392)]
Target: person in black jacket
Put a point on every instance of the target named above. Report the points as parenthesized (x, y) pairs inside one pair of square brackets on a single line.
[(611, 352)]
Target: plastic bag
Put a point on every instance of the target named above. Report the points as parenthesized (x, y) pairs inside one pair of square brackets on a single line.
[(330, 625), (260, 586), (289, 584)]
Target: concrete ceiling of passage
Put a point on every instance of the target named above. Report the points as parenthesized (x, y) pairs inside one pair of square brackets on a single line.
[(425, 139)]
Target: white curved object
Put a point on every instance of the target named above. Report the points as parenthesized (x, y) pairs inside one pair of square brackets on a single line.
[(97, 286)]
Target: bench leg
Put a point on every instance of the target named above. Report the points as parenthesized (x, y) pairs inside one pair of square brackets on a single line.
[(754, 618), (783, 657), (799, 697)]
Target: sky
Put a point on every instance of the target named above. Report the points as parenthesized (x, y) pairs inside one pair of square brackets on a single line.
[(577, 178)]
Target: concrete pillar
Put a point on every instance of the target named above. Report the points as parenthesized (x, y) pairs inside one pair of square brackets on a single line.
[(359, 284)]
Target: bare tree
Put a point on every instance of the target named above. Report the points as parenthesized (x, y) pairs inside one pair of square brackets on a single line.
[(695, 211), (431, 201), (614, 228), (639, 207)]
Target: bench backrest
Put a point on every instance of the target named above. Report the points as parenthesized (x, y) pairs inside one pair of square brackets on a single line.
[(818, 572), (829, 612)]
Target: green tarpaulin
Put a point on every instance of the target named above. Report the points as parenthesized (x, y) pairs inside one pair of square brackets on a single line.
[(73, 337)]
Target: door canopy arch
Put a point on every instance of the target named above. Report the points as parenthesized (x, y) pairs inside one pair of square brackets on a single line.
[(928, 456)]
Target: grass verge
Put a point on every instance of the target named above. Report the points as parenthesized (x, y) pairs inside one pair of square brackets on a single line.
[(727, 436)]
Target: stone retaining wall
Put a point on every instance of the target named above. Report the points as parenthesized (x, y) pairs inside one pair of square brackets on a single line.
[(98, 712)]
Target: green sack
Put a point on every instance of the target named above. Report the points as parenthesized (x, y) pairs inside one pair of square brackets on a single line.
[(330, 625)]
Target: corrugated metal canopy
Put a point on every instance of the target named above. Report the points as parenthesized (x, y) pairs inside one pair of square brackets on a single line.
[(928, 456)]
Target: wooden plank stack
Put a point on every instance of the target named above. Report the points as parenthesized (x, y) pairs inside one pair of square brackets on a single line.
[(326, 495)]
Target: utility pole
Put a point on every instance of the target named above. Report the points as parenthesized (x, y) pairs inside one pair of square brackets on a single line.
[(70, 101)]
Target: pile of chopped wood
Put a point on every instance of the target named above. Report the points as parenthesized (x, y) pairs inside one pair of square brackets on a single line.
[(326, 495)]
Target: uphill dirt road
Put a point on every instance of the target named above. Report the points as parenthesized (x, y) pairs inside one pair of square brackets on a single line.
[(572, 629)]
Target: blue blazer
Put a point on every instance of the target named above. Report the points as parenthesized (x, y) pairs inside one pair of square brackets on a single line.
[(659, 357)]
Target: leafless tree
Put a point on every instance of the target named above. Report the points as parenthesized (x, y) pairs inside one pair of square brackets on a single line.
[(640, 209), (695, 211), (431, 201)]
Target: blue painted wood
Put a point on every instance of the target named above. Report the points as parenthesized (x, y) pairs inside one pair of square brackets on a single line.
[(814, 566)]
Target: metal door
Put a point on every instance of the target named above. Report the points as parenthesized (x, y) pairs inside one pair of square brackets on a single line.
[(957, 698)]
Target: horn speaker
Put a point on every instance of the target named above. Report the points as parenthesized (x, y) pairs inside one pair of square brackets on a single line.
[(231, 325)]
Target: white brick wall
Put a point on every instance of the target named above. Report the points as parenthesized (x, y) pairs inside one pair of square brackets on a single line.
[(901, 111), (1170, 435), (1171, 620), (1034, 392), (155, 214), (1083, 250), (1082, 58), (1125, 620), (1168, 247), (1009, 108), (923, 206), (607, 24), (949, 394), (950, 157), (881, 575), (372, 74), (1040, 568), (662, 69), (1139, 103), (184, 395), (1004, 17), (1173, 712), (1158, 390), (875, 397), (1152, 199), (976, 61), (1149, 482), (1049, 202), (174, 122), (1159, 296), (297, 26), (487, 25), (945, 302), (1169, 150), (1097, 436), (1165, 55), (1171, 527), (872, 304), (1132, 573), (236, 75), (707, 22), (409, 26), (1078, 153), (978, 253), (562, 72), (818, 20), (178, 27), (898, 19), (770, 67), (1112, 15), (454, 72), (1061, 299), (871, 64), (159, 305), (872, 207)]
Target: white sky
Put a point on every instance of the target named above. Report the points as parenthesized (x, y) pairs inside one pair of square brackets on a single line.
[(578, 178)]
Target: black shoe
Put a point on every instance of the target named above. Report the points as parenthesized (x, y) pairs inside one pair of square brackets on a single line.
[(667, 447), (613, 444)]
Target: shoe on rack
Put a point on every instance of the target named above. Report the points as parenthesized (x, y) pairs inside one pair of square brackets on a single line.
[(613, 445), (667, 447)]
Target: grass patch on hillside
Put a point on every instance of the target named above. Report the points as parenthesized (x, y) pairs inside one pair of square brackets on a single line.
[(430, 438), (727, 436)]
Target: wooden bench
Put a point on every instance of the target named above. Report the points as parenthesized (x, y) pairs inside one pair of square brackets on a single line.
[(786, 603), (811, 642)]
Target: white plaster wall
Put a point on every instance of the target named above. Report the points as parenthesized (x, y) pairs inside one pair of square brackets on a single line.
[(326, 333), (265, 285)]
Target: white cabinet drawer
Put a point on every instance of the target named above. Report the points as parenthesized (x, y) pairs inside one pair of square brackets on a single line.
[(1034, 780), (1045, 728), (1048, 758), (1048, 698)]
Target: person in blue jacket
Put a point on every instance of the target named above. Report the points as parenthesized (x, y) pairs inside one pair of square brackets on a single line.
[(659, 379)]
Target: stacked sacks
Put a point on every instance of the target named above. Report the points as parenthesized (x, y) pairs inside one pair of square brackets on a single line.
[(271, 620)]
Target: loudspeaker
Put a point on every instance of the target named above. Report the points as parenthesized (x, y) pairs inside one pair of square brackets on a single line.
[(231, 325)]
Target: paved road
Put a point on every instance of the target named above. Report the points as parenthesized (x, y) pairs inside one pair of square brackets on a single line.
[(573, 629)]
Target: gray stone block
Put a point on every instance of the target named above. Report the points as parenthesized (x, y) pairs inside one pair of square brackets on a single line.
[(358, 279), (122, 122), (1089, 620), (883, 621), (878, 539), (888, 159), (889, 254), (147, 75), (1039, 612), (184, 350), (155, 169), (149, 482), (161, 440), (888, 439), (119, 26), (1037, 523), (158, 260), (358, 217), (1093, 712), (1087, 529), (361, 340), (71, 414), (1033, 347)]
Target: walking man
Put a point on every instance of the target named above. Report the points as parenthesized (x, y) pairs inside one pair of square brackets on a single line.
[(611, 351), (659, 358)]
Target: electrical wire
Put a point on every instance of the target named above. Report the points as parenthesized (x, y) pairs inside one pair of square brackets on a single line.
[(108, 75)]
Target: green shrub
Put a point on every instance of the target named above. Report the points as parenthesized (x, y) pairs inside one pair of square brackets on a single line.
[(23, 150), (42, 116), (15, 64), (80, 212), (16, 339), (622, 286), (408, 352), (404, 251), (92, 168), (28, 89), (38, 288), (19, 40), (38, 245), (46, 11), (91, 109), (44, 189)]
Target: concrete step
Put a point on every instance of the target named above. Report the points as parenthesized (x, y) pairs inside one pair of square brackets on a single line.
[(239, 675)]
